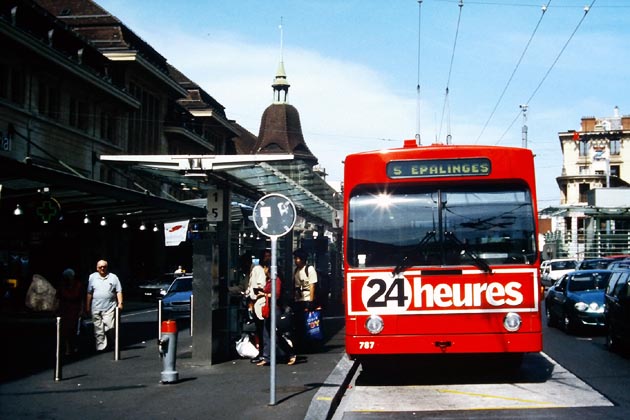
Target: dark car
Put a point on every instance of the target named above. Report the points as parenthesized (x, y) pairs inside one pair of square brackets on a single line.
[(577, 300), (619, 264), (618, 309), (156, 289), (176, 302), (594, 264)]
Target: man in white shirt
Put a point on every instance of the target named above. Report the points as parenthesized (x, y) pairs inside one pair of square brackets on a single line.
[(104, 295)]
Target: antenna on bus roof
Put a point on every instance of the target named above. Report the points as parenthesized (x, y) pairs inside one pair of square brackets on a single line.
[(418, 76)]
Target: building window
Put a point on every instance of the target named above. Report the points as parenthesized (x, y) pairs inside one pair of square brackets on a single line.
[(615, 171), (4, 81), (79, 114), (144, 123), (584, 147), (583, 170), (17, 83), (108, 127), (49, 99), (584, 189), (615, 147)]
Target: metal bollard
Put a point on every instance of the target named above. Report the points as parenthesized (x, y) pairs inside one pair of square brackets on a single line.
[(168, 351), (117, 334), (58, 365)]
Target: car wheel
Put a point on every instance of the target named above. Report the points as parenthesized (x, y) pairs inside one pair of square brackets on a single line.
[(551, 321), (611, 340), (568, 324)]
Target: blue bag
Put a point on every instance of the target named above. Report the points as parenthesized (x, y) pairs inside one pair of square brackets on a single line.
[(313, 327)]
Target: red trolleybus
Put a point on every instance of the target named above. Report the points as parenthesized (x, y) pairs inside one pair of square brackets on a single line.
[(441, 251)]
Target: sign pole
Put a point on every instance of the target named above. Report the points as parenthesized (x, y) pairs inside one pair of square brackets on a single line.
[(272, 312), (274, 216)]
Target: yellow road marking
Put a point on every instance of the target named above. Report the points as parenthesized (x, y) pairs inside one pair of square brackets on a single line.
[(474, 394)]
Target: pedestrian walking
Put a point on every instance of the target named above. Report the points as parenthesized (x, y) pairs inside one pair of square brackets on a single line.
[(104, 295), (70, 309)]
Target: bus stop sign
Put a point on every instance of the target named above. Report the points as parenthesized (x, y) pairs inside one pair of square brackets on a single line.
[(274, 215)]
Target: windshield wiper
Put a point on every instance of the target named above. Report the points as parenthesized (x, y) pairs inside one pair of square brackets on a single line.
[(404, 263), (477, 260)]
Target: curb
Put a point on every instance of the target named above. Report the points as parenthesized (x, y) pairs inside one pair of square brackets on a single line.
[(327, 398)]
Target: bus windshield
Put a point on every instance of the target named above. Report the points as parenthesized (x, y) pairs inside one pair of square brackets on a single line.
[(416, 225)]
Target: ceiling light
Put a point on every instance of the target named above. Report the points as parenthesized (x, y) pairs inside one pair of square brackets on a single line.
[(17, 211), (125, 225), (103, 221), (143, 227), (86, 220), (155, 228)]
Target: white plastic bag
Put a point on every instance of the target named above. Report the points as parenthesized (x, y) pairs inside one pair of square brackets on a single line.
[(245, 348)]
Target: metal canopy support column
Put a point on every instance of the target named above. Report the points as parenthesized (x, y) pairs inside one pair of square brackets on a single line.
[(204, 296)]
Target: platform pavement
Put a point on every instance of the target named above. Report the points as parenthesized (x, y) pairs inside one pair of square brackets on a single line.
[(98, 387)]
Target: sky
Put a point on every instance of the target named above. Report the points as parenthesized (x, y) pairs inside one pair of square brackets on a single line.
[(354, 67)]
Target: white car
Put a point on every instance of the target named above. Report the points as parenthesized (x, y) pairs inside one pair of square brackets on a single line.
[(554, 269)]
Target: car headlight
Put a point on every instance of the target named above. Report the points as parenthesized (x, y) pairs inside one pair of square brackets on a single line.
[(589, 307), (374, 324), (512, 321)]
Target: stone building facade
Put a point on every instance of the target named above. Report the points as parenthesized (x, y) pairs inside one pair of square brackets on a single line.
[(593, 218)]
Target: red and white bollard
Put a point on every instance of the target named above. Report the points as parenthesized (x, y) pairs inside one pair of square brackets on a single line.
[(168, 351)]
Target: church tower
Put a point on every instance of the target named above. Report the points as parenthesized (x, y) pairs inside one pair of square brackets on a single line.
[(280, 128)]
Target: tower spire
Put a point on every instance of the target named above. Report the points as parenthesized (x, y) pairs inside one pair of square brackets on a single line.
[(280, 84)]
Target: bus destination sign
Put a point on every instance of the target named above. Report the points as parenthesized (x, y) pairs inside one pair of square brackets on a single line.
[(439, 168)]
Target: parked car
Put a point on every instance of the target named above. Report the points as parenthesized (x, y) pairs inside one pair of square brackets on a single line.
[(594, 264), (577, 300), (156, 288), (543, 267), (617, 311), (176, 302), (619, 264), (556, 269)]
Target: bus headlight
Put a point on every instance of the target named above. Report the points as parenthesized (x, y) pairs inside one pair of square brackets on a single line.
[(374, 324), (512, 321)]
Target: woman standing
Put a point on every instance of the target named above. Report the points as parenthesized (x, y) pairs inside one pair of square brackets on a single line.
[(281, 344)]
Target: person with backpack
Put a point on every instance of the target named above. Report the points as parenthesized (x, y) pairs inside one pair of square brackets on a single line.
[(305, 282)]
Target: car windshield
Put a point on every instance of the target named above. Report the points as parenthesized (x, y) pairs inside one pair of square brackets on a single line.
[(590, 281), (563, 265), (421, 225), (593, 264), (182, 284)]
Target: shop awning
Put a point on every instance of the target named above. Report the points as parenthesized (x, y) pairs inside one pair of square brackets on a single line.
[(24, 183)]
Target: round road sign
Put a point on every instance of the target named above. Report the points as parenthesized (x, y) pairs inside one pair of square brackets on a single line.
[(274, 215)]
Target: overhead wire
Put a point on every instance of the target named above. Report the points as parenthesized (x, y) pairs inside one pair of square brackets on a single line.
[(586, 10), (450, 70), (518, 63)]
